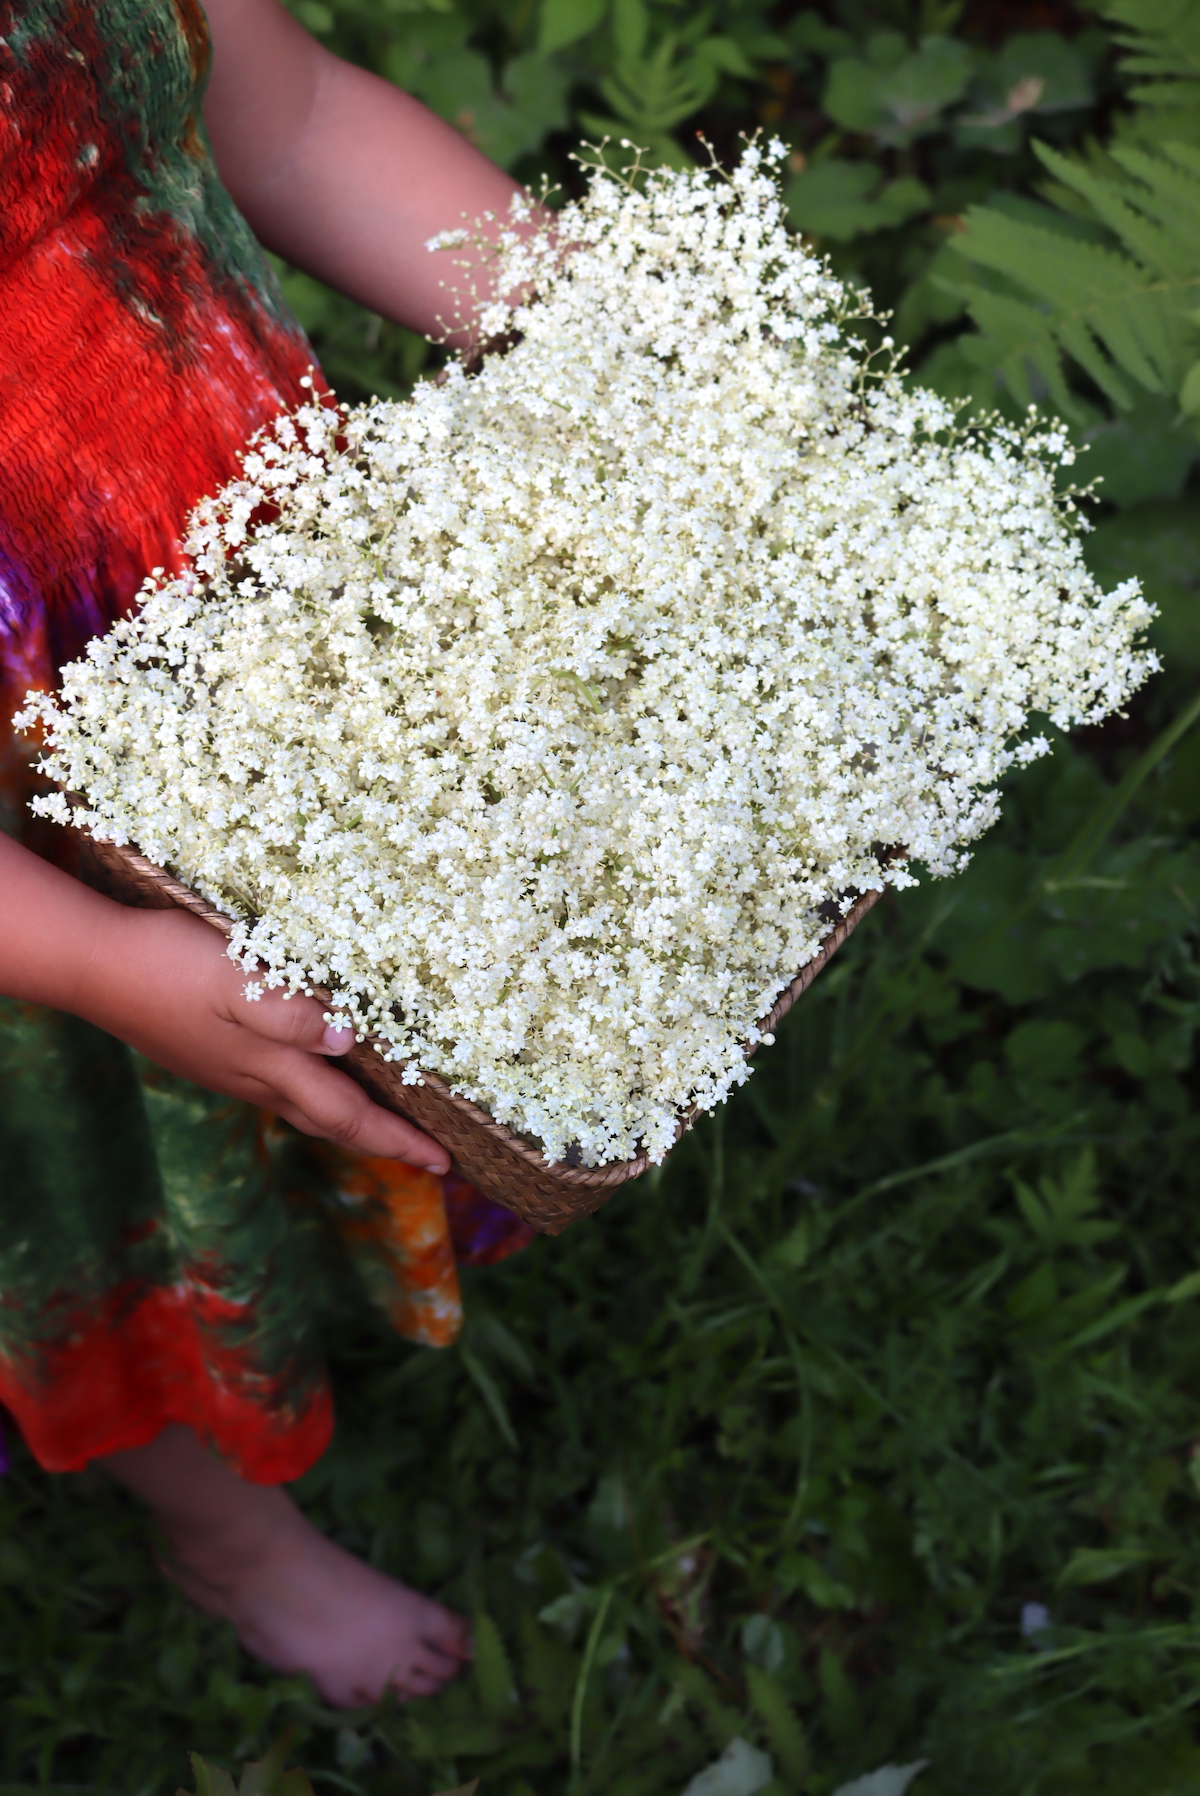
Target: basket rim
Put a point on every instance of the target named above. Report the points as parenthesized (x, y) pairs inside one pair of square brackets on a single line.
[(579, 1178)]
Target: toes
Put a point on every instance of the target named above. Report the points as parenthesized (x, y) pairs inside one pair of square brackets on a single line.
[(456, 1651), (418, 1683), (427, 1662), (448, 1633)]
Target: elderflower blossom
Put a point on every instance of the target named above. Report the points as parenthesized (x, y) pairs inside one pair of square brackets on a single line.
[(553, 714)]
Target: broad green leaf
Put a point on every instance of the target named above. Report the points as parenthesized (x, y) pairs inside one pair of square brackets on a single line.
[(741, 1770), (762, 1641), (1189, 392), (889, 1780), (1044, 1049), (841, 200), (631, 24), (563, 22), (805, 1573), (898, 101), (1145, 453), (1100, 1565), (1159, 544)]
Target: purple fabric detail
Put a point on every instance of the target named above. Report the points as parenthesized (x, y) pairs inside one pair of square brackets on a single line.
[(482, 1232)]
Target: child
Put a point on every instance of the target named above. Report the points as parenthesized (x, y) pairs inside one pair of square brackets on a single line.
[(159, 1247)]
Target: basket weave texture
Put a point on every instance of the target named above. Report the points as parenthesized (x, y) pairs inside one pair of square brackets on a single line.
[(505, 1166)]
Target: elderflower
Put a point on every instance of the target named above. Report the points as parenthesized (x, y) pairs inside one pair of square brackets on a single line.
[(551, 715)]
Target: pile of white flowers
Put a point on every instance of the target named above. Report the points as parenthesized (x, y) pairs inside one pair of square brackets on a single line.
[(550, 716)]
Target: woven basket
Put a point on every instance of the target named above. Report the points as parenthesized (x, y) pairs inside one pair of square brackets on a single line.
[(505, 1167)]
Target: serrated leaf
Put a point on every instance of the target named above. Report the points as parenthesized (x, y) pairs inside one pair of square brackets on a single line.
[(211, 1780), (784, 1730), (267, 1777), (491, 1669)]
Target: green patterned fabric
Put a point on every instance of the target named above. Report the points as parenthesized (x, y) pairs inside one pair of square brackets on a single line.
[(152, 1263)]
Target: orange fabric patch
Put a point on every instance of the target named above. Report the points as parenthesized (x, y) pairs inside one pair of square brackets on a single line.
[(395, 1225)]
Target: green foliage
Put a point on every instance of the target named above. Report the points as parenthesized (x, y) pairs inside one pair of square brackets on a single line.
[(264, 1777), (1162, 41), (837, 200), (1123, 301), (863, 1438), (1106, 276), (895, 94)]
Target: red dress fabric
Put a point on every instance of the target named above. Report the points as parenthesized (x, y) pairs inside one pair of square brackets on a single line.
[(160, 1249)]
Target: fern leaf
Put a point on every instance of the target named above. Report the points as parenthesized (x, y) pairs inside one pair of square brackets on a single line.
[(1162, 37), (1161, 41), (1111, 315), (1166, 193), (651, 94), (1124, 208), (1016, 340)]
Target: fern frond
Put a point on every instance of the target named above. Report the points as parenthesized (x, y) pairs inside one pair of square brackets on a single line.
[(1161, 37), (1113, 315), (1017, 341), (1170, 195), (1136, 212), (1161, 41), (651, 94), (1123, 306)]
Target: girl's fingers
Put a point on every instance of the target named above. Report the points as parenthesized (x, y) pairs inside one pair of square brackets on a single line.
[(294, 1020), (318, 1100)]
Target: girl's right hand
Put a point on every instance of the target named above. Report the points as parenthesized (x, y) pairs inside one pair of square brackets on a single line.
[(161, 981)]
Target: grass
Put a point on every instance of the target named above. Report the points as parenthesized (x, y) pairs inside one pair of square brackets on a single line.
[(782, 1444)]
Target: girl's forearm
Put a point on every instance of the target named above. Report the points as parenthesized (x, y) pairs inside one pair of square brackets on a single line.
[(161, 981), (341, 172), (52, 932)]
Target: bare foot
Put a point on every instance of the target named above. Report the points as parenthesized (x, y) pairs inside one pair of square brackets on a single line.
[(304, 1604), (245, 1552)]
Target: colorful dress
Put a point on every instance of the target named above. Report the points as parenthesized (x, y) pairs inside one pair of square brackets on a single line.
[(166, 1255)]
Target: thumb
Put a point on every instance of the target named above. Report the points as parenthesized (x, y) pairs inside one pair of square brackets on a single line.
[(293, 1019)]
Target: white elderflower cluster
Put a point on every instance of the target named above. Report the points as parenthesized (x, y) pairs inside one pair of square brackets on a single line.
[(548, 718)]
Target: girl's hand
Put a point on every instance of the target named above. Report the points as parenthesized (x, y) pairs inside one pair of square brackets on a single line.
[(161, 981), (167, 987)]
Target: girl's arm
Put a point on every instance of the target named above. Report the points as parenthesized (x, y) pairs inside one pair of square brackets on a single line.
[(161, 981), (341, 172), (349, 178)]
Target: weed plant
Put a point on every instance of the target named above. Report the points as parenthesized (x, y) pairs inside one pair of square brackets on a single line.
[(866, 1432)]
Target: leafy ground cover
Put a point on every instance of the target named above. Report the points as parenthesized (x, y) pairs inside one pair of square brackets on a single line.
[(867, 1433)]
